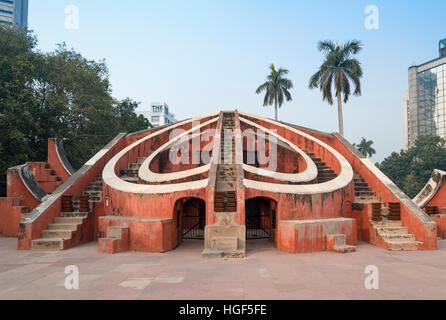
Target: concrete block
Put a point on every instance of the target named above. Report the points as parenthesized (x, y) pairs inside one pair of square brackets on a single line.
[(224, 243)]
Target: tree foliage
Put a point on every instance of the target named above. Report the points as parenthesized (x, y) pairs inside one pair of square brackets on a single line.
[(276, 88), (365, 147), (59, 94), (337, 71), (411, 169)]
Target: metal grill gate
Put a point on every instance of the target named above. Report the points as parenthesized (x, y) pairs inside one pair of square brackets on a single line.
[(258, 221), (194, 220)]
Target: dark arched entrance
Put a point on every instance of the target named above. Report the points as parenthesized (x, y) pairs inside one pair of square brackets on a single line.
[(260, 217), (193, 219)]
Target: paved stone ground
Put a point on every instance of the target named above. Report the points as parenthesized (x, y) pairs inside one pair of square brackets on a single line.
[(182, 274)]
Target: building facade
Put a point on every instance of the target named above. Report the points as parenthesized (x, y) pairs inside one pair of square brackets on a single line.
[(14, 13), (159, 114), (406, 112), (307, 191), (426, 114)]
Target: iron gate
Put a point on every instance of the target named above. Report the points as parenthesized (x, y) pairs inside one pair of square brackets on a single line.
[(258, 222), (194, 221)]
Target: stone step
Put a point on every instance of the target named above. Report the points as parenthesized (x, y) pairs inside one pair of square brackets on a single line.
[(324, 180), (23, 209), (387, 224), (74, 214), (345, 248), (65, 220), (373, 199), (362, 188), (61, 234), (133, 166), (392, 230), (93, 188), (140, 160), (115, 231), (361, 184), (48, 244), (128, 173), (398, 245), (326, 175), (398, 236), (365, 194), (129, 179), (92, 193), (63, 226), (339, 239)]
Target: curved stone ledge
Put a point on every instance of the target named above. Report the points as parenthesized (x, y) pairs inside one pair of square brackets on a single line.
[(113, 181), (431, 188), (148, 175), (63, 157), (30, 182), (309, 174), (344, 178)]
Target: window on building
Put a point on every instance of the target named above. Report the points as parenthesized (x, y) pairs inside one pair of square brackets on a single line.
[(155, 119), (6, 11)]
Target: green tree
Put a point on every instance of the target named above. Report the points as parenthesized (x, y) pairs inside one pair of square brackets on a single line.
[(16, 98), (411, 169), (59, 94), (128, 120), (337, 70), (365, 147), (276, 89)]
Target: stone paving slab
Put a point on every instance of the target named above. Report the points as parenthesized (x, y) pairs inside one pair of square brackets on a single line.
[(182, 274)]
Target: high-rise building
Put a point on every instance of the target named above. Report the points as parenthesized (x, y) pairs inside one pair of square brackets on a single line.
[(406, 111), (425, 110), (14, 13), (159, 114)]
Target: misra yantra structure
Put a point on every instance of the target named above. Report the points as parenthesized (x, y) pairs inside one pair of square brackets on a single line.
[(319, 194)]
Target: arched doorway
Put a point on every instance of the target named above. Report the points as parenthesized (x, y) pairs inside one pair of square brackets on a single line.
[(260, 218), (193, 219)]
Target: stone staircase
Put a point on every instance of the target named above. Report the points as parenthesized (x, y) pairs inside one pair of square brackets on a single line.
[(386, 220), (16, 205), (325, 173), (225, 191), (336, 242), (395, 235), (67, 230), (131, 173), (53, 177), (363, 193), (117, 240)]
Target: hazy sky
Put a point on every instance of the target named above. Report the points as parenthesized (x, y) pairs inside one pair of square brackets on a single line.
[(201, 56)]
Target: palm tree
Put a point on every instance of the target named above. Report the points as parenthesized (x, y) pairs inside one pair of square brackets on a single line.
[(338, 69), (276, 88), (365, 147)]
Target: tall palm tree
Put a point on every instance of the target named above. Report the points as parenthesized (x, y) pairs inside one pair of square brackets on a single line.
[(276, 88), (365, 147), (338, 69)]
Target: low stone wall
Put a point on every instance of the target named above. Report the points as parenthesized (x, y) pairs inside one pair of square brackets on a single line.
[(302, 236), (146, 235)]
